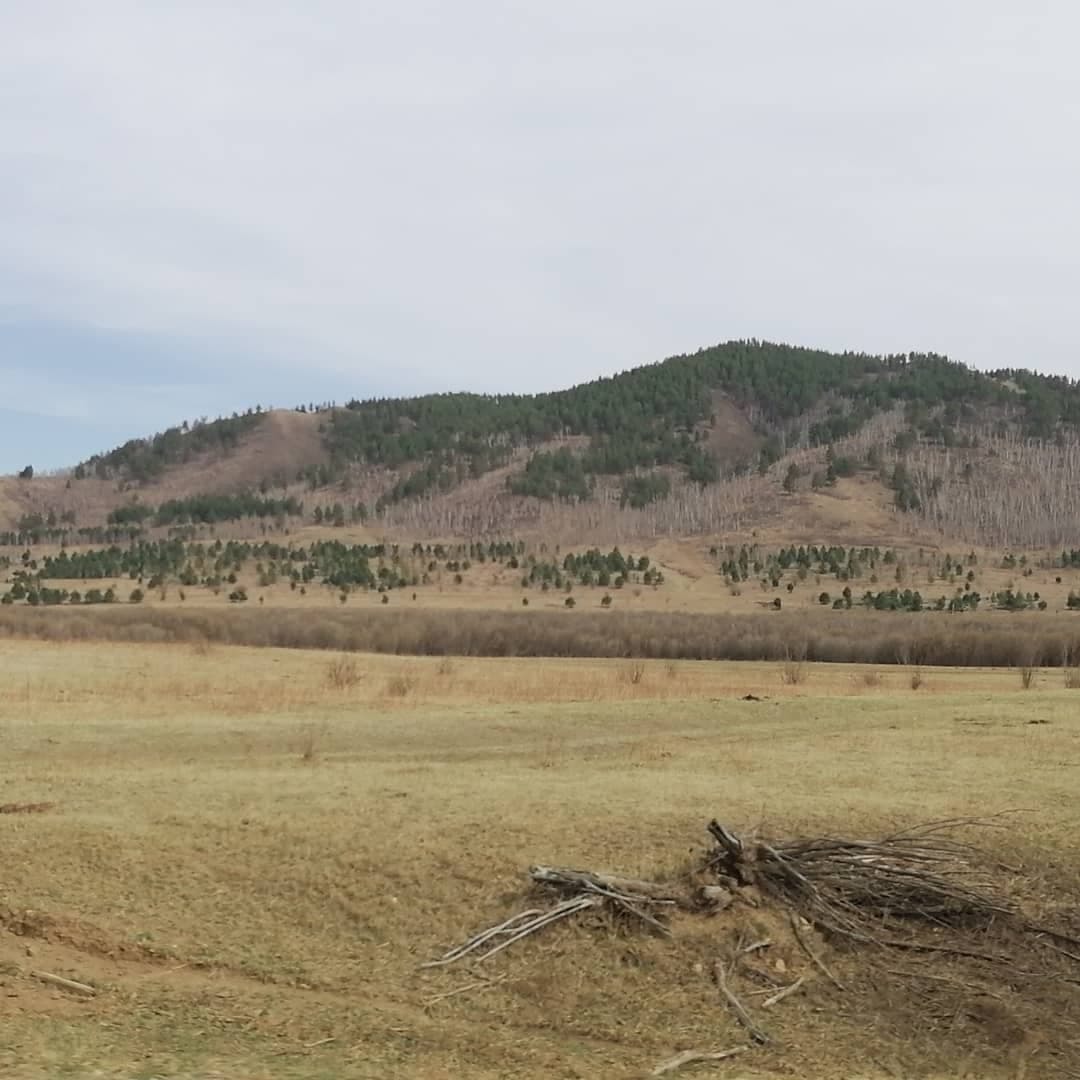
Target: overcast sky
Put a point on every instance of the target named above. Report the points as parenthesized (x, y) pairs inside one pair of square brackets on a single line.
[(205, 206)]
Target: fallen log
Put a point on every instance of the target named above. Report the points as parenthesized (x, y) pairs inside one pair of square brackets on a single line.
[(589, 881)]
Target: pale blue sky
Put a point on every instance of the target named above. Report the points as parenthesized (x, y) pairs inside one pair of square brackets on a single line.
[(205, 206)]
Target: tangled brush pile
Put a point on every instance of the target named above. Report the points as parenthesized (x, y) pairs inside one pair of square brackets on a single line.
[(926, 890)]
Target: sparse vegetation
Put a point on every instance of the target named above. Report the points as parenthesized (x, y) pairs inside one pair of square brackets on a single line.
[(309, 744), (343, 672), (336, 565), (793, 670), (400, 685)]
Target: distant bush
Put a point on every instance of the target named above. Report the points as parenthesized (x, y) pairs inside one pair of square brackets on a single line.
[(400, 685), (343, 672)]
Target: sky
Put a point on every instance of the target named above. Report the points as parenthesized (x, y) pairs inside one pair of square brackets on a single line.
[(207, 206)]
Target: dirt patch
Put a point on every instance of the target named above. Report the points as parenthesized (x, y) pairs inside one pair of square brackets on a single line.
[(731, 437), (83, 937)]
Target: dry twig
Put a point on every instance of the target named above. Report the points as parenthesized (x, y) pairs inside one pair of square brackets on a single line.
[(691, 1057), (64, 984), (755, 946), (794, 988), (480, 984), (514, 929), (814, 958), (945, 980), (747, 1021)]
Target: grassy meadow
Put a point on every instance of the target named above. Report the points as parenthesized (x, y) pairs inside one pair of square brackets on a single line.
[(251, 851)]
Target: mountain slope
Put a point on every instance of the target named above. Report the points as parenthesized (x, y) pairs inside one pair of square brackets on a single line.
[(701, 440)]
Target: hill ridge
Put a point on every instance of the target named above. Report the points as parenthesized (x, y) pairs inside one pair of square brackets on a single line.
[(682, 434)]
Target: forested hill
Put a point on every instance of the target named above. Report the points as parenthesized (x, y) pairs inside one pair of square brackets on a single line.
[(651, 416), (668, 428), (661, 414)]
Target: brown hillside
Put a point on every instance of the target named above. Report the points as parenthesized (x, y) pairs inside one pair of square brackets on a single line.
[(283, 443), (997, 492)]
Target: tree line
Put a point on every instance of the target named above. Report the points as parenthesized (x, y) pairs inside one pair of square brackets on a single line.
[(207, 510), (157, 564)]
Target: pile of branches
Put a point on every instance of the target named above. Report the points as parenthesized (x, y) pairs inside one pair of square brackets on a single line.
[(852, 888), (848, 888), (581, 891), (926, 890)]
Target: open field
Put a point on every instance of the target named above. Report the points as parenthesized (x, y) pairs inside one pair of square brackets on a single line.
[(252, 850)]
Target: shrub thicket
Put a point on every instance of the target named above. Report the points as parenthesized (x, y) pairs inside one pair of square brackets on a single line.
[(866, 637)]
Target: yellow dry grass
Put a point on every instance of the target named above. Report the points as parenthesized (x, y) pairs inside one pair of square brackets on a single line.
[(252, 851)]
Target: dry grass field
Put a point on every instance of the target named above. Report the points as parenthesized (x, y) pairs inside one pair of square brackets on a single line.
[(251, 851)]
